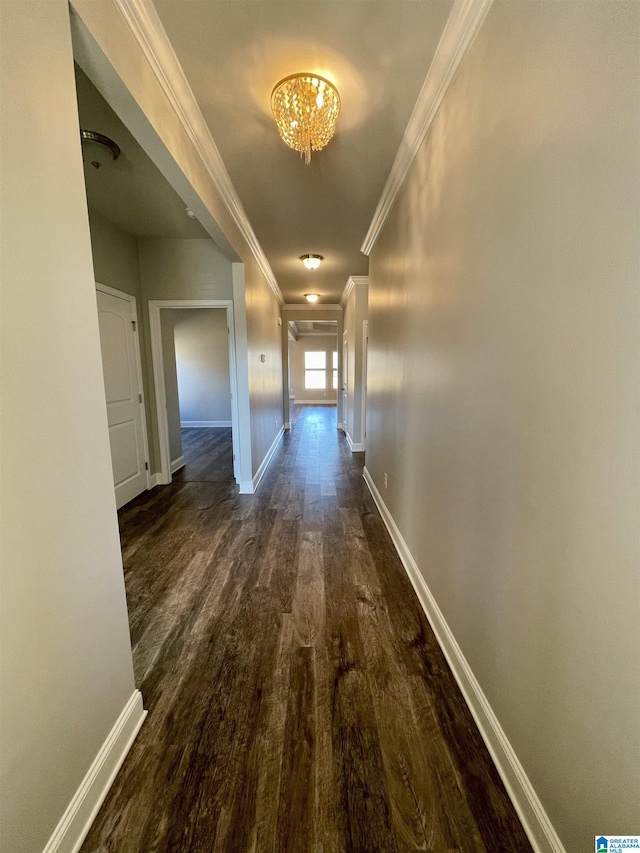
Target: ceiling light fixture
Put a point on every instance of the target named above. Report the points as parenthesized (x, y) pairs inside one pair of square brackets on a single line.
[(311, 297), (312, 262), (305, 107), (99, 149)]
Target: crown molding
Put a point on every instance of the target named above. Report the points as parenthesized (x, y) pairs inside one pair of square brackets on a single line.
[(462, 26), (351, 283), (300, 307), (145, 25)]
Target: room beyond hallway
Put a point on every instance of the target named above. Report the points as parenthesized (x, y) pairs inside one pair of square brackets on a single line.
[(208, 455), (297, 697)]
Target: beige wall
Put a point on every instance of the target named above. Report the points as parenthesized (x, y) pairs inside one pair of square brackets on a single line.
[(355, 315), (265, 378), (202, 361), (309, 343), (66, 670), (504, 391)]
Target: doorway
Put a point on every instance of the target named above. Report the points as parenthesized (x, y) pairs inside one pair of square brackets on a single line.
[(191, 416)]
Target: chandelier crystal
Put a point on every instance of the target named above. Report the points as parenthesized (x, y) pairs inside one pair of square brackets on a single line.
[(305, 107)]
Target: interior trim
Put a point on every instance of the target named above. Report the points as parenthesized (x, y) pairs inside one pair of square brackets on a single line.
[(83, 808), (462, 26), (531, 812), (250, 488), (146, 27), (354, 446), (351, 283)]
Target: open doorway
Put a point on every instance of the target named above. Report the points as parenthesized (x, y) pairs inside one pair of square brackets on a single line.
[(313, 362), (194, 377)]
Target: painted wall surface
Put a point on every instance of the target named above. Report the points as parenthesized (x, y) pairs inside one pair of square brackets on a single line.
[(183, 269), (355, 314), (171, 384), (313, 343), (504, 391), (178, 269), (202, 362), (115, 263), (108, 53), (66, 669), (265, 378)]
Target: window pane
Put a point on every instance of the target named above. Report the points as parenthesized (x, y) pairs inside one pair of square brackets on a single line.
[(335, 378), (335, 361), (315, 361), (315, 379)]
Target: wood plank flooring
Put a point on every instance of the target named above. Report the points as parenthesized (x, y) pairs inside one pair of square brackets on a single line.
[(208, 455), (298, 700)]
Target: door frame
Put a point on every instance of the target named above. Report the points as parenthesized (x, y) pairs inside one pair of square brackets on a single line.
[(127, 297), (155, 305), (344, 379)]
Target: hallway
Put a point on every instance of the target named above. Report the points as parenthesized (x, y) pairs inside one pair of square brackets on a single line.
[(297, 698), (208, 455)]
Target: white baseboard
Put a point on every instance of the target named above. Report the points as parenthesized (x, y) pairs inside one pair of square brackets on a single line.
[(177, 464), (287, 425), (354, 446), (81, 811), (200, 424), (153, 481), (264, 464), (535, 820), (246, 487), (315, 402)]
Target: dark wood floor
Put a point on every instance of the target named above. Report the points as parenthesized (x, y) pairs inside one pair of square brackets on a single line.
[(298, 700), (208, 455)]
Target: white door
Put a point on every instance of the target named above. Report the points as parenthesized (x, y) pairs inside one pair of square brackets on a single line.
[(124, 400)]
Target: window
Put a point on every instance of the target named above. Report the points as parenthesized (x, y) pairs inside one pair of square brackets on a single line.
[(335, 370), (315, 370)]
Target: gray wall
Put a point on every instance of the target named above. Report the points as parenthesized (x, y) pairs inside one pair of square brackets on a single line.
[(309, 343), (504, 391), (66, 668), (171, 384), (202, 361)]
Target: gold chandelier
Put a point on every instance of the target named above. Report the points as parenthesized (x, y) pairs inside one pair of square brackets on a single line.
[(305, 107)]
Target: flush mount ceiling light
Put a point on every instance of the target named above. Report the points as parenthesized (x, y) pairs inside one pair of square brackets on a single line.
[(99, 149), (312, 262), (305, 107), (311, 297)]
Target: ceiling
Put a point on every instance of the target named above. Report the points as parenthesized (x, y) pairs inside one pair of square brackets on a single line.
[(131, 192), (377, 53), (302, 328)]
